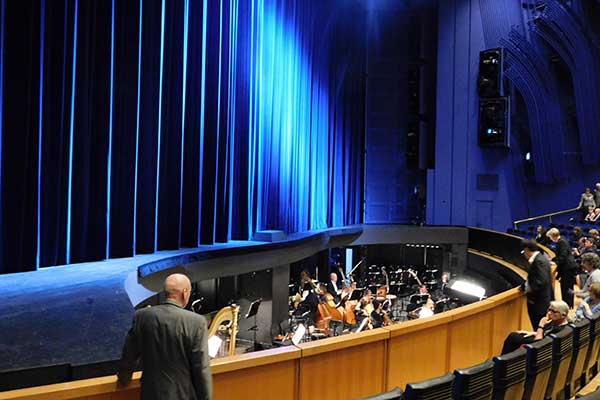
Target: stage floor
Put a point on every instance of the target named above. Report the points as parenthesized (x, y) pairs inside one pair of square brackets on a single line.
[(75, 314)]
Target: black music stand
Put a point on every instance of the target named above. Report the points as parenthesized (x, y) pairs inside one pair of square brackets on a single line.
[(252, 311)]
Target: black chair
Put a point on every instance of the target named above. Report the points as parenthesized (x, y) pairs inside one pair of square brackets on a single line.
[(539, 367), (394, 394), (590, 365), (509, 375), (431, 389), (474, 383), (581, 344), (562, 353)]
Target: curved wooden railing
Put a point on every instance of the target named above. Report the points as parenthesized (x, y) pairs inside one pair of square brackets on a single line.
[(344, 367)]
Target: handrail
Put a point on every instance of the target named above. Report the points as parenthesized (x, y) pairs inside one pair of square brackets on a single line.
[(549, 216)]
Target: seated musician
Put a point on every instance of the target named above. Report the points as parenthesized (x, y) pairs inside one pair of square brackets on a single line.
[(427, 309), (377, 314), (365, 306), (333, 287), (555, 320)]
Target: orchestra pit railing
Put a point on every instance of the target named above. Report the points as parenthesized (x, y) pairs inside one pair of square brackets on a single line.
[(343, 367)]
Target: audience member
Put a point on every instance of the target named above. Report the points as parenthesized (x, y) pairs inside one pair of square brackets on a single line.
[(591, 304), (597, 195), (596, 217), (591, 214), (538, 285), (590, 263), (587, 200), (565, 265), (587, 246), (595, 236), (540, 236), (576, 234), (173, 346), (555, 320)]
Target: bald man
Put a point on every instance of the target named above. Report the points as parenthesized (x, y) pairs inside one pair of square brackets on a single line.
[(172, 345)]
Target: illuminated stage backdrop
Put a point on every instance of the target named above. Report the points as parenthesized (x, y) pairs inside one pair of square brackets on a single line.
[(135, 126)]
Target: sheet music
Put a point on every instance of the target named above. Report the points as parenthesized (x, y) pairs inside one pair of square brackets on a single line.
[(214, 344), (299, 334)]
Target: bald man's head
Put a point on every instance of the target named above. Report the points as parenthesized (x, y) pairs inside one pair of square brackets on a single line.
[(178, 288)]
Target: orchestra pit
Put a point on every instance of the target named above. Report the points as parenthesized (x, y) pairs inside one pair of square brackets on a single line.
[(298, 199)]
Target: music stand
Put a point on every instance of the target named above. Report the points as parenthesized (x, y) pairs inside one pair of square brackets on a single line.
[(252, 311)]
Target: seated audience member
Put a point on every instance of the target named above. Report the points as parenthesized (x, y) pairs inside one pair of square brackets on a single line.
[(554, 321), (540, 236), (595, 236), (576, 234), (597, 194), (596, 217), (590, 263), (591, 214), (586, 201), (586, 246), (591, 304)]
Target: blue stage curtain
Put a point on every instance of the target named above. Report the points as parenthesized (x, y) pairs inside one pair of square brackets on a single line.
[(132, 126)]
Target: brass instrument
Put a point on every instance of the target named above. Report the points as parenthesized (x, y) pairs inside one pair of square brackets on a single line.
[(226, 320)]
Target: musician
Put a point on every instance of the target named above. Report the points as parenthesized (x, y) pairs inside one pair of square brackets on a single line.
[(377, 314), (423, 290), (427, 309), (333, 287), (309, 300)]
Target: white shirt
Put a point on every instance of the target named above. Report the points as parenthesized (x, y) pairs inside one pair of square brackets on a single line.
[(335, 286)]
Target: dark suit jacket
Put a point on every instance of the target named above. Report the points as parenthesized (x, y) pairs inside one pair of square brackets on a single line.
[(565, 263), (172, 344), (539, 281), (332, 291)]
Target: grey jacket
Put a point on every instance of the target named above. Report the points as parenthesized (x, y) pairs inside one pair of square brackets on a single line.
[(172, 345)]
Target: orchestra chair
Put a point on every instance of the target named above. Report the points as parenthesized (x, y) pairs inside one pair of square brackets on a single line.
[(509, 375), (562, 353), (430, 389), (581, 344), (590, 367), (538, 368), (474, 383), (394, 394)]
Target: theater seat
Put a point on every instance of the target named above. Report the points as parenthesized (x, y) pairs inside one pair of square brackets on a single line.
[(539, 367), (590, 366), (394, 394), (562, 353), (509, 375), (436, 388), (581, 344), (474, 383)]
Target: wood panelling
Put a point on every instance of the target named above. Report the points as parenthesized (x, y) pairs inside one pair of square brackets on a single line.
[(470, 340), (506, 318), (417, 356), (268, 382), (343, 374)]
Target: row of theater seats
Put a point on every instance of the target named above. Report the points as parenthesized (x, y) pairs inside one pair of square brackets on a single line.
[(555, 367)]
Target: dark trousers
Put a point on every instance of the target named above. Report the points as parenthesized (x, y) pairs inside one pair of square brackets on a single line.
[(515, 340), (567, 281)]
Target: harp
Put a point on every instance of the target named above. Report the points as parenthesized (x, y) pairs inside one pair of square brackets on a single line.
[(225, 321)]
